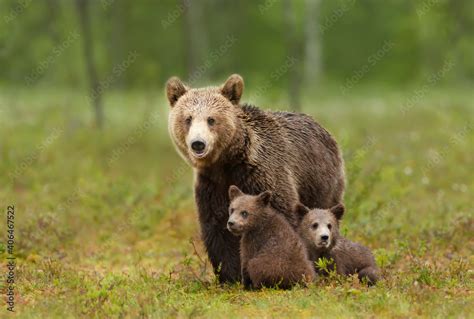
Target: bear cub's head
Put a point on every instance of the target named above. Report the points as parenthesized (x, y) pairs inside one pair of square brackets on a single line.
[(319, 228), (203, 121), (246, 211)]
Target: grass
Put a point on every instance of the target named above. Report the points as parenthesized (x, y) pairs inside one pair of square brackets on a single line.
[(106, 225)]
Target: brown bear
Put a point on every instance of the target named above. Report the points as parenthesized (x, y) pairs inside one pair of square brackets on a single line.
[(271, 252), (228, 143), (319, 230)]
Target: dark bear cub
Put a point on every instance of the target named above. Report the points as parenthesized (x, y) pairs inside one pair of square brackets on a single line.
[(319, 230), (271, 252)]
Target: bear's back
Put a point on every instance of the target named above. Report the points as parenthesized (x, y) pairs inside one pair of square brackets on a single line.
[(297, 129), (307, 149), (275, 254), (350, 256), (274, 237)]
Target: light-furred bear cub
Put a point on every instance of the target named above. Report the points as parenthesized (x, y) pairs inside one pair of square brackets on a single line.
[(271, 252), (319, 230)]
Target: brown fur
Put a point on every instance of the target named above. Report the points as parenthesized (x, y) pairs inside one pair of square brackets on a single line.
[(286, 153), (271, 252), (348, 257)]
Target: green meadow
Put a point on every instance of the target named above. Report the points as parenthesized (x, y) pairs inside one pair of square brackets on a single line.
[(105, 222)]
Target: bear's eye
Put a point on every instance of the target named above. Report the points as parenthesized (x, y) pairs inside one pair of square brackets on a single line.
[(188, 120), (231, 210), (314, 226), (244, 214), (329, 226), (210, 121)]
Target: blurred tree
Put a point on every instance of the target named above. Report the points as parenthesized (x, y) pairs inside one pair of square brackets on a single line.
[(461, 38), (52, 19), (312, 63), (293, 46), (88, 46), (116, 38), (331, 39), (195, 38)]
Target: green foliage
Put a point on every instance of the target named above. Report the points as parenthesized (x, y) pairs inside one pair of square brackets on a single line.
[(33, 41)]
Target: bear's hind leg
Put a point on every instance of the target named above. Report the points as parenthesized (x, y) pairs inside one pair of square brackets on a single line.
[(267, 271), (371, 274)]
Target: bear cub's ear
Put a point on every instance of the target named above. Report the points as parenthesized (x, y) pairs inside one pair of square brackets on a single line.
[(234, 192), (175, 89), (233, 88), (301, 211), (264, 198), (338, 211)]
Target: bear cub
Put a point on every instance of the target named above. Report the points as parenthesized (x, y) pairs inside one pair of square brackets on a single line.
[(271, 252), (319, 230)]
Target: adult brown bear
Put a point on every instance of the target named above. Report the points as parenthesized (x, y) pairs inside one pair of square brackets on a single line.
[(228, 143)]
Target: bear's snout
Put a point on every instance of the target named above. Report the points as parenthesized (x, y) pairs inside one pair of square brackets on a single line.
[(233, 227), (198, 146)]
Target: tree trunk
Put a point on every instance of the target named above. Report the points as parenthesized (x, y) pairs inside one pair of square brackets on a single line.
[(88, 45), (52, 21), (116, 39), (461, 24), (312, 65), (293, 49), (195, 40)]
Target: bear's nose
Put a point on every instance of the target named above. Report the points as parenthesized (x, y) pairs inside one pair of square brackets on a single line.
[(230, 223), (198, 146), (324, 237)]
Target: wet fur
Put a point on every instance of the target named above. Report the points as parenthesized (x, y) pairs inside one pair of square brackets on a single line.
[(289, 154)]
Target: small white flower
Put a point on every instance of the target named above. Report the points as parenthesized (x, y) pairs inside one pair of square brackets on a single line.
[(425, 180), (408, 170)]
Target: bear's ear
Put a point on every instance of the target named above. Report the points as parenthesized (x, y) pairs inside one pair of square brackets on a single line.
[(234, 192), (264, 198), (174, 90), (301, 211), (233, 88), (338, 211)]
